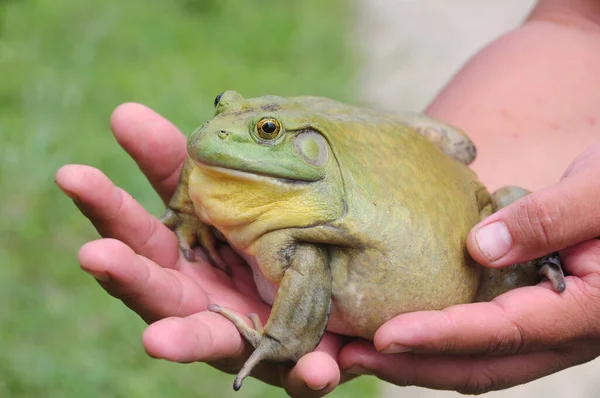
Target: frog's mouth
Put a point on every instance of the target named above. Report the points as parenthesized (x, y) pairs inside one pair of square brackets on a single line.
[(247, 161), (251, 174)]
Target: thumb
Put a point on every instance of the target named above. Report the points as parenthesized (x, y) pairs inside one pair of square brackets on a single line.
[(542, 222)]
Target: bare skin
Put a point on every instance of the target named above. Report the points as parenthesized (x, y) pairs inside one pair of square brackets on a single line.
[(143, 268)]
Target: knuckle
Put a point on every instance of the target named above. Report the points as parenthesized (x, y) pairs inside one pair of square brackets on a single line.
[(584, 297), (120, 206), (449, 345), (146, 242), (541, 220), (508, 341), (180, 303), (564, 358), (479, 382)]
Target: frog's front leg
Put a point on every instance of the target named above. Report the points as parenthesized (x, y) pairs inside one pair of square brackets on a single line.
[(181, 218), (299, 315)]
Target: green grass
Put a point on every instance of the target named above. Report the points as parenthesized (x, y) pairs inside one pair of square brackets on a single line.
[(64, 65)]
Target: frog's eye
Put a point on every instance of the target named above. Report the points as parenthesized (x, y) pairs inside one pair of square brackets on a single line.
[(217, 99), (268, 128)]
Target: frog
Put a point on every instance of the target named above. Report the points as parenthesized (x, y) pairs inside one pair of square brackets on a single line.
[(347, 217)]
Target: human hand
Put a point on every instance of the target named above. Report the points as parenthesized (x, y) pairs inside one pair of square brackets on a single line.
[(138, 262), (524, 334)]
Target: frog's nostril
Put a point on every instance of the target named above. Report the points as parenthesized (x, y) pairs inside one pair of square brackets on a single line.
[(222, 134)]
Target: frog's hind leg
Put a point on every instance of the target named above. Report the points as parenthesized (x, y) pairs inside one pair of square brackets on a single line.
[(298, 317), (496, 281)]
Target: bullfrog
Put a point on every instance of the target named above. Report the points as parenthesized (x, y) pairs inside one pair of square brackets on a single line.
[(347, 217)]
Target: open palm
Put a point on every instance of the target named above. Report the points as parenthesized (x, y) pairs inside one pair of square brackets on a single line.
[(138, 262)]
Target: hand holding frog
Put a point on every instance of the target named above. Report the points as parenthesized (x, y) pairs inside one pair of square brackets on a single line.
[(138, 261), (524, 334)]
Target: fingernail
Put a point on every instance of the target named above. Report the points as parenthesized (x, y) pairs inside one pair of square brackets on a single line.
[(358, 370), (494, 240), (100, 276), (317, 387), (395, 349)]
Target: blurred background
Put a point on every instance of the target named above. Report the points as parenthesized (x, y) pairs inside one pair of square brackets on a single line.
[(66, 64)]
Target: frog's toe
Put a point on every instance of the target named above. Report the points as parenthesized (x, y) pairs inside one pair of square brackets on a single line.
[(207, 241), (551, 268), (187, 240), (190, 232), (252, 335), (188, 254), (266, 347), (256, 323), (183, 226)]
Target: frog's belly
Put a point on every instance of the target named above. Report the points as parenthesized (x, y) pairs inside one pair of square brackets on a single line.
[(266, 289), (369, 289)]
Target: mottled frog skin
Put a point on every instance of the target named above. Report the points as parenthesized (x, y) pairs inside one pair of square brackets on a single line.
[(348, 216)]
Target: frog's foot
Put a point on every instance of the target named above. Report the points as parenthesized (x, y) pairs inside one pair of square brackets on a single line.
[(253, 334), (191, 231), (266, 347), (451, 140), (551, 268)]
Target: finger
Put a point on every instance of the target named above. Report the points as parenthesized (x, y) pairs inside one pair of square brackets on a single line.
[(135, 280), (209, 337), (204, 337), (542, 222), (115, 214), (521, 320), (467, 375), (315, 374), (154, 143)]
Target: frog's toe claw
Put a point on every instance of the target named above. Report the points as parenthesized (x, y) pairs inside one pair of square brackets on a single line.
[(214, 308), (551, 268), (188, 254), (207, 240), (217, 261), (268, 349)]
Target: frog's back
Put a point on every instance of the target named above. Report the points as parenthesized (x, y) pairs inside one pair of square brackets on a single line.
[(411, 207)]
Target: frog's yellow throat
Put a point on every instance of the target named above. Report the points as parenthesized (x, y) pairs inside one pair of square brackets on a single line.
[(243, 206)]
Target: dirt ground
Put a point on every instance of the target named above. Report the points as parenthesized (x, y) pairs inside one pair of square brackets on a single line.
[(411, 48)]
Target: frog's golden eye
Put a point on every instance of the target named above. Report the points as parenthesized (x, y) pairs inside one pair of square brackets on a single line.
[(268, 128)]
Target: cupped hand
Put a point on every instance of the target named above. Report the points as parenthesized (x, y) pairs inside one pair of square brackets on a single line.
[(524, 334), (138, 262)]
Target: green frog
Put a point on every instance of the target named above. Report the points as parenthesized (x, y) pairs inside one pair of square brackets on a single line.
[(347, 216)]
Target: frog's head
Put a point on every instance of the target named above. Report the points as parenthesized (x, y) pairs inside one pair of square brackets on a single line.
[(266, 163), (268, 136)]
